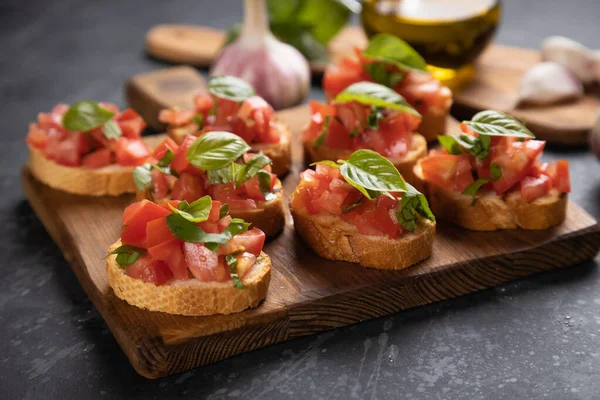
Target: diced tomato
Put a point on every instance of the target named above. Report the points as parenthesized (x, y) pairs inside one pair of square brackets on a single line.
[(135, 218), (97, 159), (225, 110), (150, 271), (176, 117), (131, 123), (252, 121), (227, 194), (161, 149), (330, 202), (160, 185), (37, 137), (180, 162), (245, 261), (337, 136), (215, 211), (209, 226), (65, 150), (514, 159), (171, 253), (203, 263), (204, 103), (251, 241), (188, 187), (131, 152), (533, 188), (325, 171), (339, 77), (157, 232), (449, 171), (353, 115), (562, 182)]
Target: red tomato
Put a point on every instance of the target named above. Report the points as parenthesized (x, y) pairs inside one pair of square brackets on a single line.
[(251, 241), (135, 218), (131, 123), (204, 103), (215, 211), (339, 77), (131, 152), (225, 110), (226, 193), (157, 232), (533, 188), (166, 205), (176, 117), (188, 187), (149, 271), (353, 115), (253, 121), (448, 171), (180, 162), (161, 149), (36, 137), (160, 185), (562, 182), (330, 202), (171, 253), (204, 264), (65, 150), (337, 136), (514, 159), (97, 159)]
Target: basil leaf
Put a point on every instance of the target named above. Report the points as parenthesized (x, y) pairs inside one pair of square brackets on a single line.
[(372, 174), (477, 146), (214, 150), (251, 168), (373, 118), (230, 88), (391, 49), (324, 17), (197, 211), (472, 189), (232, 263), (127, 254), (321, 138), (111, 130), (223, 175), (235, 227), (85, 115), (413, 202), (142, 177), (190, 232), (496, 171), (165, 161), (450, 144), (374, 94), (264, 183), (381, 74), (302, 39), (199, 120), (496, 123), (223, 210)]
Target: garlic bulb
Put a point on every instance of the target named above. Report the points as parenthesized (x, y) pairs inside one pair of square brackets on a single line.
[(547, 83), (277, 71), (595, 138), (575, 57)]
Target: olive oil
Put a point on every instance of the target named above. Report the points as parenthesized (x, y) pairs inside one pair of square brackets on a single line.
[(449, 34)]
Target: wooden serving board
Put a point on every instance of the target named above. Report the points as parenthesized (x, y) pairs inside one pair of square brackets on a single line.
[(499, 70), (307, 294)]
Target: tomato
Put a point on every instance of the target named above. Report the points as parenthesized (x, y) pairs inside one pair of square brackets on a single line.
[(65, 150), (97, 159), (160, 185), (448, 171), (330, 202), (131, 152), (131, 123), (398, 124), (180, 162), (562, 182), (224, 111), (514, 159), (204, 264), (226, 193), (353, 115), (533, 188), (176, 117), (337, 136), (166, 205), (161, 149), (157, 232), (150, 271), (252, 187), (36, 137), (171, 253), (252, 121), (339, 77), (245, 261), (215, 211), (135, 218), (251, 241), (204, 103), (188, 187)]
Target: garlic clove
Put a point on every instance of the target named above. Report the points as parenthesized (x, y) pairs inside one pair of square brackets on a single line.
[(595, 138), (548, 82), (574, 56)]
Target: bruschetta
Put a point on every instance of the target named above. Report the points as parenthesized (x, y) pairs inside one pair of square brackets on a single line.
[(188, 258), (365, 115), (390, 61), (218, 164), (362, 211), (232, 105), (490, 177), (87, 148)]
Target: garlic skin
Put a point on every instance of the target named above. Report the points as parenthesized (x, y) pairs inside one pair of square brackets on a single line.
[(548, 82), (595, 138), (277, 71), (574, 56)]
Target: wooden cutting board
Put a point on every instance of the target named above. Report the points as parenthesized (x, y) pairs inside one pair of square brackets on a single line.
[(495, 86), (307, 294)]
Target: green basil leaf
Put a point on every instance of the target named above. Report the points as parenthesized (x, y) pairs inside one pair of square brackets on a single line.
[(227, 174), (324, 17), (264, 182), (381, 74), (391, 49), (302, 39), (214, 150), (142, 177), (496, 171), (85, 115), (223, 210), (476, 146), (196, 211), (472, 189), (377, 95), (370, 172), (111, 130), (450, 144), (165, 161), (230, 88), (235, 227), (413, 202), (496, 123), (251, 168), (232, 262), (190, 232), (321, 138), (127, 254), (199, 120)]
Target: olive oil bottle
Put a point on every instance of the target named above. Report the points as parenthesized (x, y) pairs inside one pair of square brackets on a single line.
[(449, 34)]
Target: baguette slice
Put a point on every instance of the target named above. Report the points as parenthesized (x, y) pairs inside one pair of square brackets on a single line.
[(279, 153), (332, 238), (269, 216), (111, 180), (191, 297), (404, 165), (490, 212)]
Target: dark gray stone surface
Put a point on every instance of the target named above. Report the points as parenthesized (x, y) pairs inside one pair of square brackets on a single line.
[(537, 338)]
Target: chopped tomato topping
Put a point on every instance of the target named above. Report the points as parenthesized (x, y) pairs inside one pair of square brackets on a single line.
[(97, 159), (251, 241), (203, 263), (188, 187), (131, 123), (176, 117), (157, 232), (562, 181), (447, 170), (533, 188), (171, 253), (150, 271), (131, 151), (135, 218), (180, 162), (161, 149)]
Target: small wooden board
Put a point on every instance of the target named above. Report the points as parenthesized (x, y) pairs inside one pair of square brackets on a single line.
[(307, 294)]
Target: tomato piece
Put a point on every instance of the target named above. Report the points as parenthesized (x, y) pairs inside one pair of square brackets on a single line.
[(331, 202), (252, 121), (252, 188), (180, 162), (215, 211), (160, 150), (245, 261), (447, 170), (251, 241), (176, 117), (64, 150), (160, 185), (224, 111), (562, 182), (353, 115), (97, 159), (157, 232), (203, 263), (166, 205), (131, 152), (135, 218), (149, 271), (188, 187), (131, 123), (337, 136), (226, 193), (171, 253), (514, 159), (339, 77), (204, 103), (37, 137), (533, 188)]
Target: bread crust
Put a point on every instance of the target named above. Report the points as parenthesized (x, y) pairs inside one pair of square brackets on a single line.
[(111, 180), (280, 153), (191, 297), (269, 216), (404, 165), (490, 212), (332, 238)]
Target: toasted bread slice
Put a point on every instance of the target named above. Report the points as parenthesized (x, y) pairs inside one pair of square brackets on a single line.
[(191, 297), (404, 164), (490, 212), (333, 238), (269, 216), (112, 180), (280, 153)]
